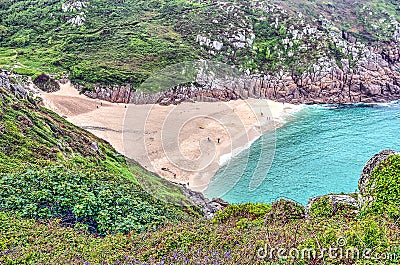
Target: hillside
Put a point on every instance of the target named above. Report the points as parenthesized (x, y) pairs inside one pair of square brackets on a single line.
[(333, 226), (294, 51), (52, 169)]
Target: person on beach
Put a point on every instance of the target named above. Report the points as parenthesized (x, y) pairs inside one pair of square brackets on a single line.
[(219, 140)]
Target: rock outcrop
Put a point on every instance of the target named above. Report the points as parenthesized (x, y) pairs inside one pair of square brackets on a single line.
[(209, 208), (46, 83), (335, 202), (364, 198), (125, 94), (18, 90), (285, 211)]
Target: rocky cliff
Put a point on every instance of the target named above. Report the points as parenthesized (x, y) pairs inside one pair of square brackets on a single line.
[(374, 79), (365, 198), (286, 55), (294, 51)]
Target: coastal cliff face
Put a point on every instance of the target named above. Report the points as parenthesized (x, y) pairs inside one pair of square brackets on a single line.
[(286, 55), (298, 51), (376, 79)]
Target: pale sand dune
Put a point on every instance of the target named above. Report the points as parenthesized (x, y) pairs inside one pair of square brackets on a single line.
[(177, 142)]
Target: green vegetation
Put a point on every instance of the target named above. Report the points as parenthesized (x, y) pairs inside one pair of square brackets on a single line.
[(369, 21), (248, 210), (322, 208), (128, 41), (51, 169), (384, 187), (118, 43), (199, 242)]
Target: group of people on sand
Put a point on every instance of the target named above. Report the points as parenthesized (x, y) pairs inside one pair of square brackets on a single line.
[(218, 140)]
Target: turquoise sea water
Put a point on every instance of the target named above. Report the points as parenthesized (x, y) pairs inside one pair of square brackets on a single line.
[(321, 150)]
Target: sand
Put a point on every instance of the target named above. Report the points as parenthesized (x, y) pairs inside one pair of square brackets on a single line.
[(180, 143)]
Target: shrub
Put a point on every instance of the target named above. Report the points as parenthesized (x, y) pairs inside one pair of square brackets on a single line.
[(286, 210), (322, 208), (251, 211), (105, 203), (384, 188)]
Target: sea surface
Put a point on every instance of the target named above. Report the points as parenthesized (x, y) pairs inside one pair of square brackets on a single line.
[(320, 150)]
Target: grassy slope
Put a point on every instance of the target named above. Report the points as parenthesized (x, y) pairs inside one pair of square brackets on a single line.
[(49, 170), (127, 41), (356, 17), (119, 43), (234, 237)]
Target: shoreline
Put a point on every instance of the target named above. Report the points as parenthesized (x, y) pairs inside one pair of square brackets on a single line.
[(277, 125), (226, 158), (178, 142)]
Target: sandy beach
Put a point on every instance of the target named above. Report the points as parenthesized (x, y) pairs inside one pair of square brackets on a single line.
[(186, 143)]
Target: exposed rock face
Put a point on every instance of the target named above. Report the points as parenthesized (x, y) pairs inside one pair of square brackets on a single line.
[(315, 61), (208, 207), (4, 81), (375, 78), (16, 89), (76, 12), (335, 201), (94, 146), (124, 94), (363, 197), (46, 83), (25, 120)]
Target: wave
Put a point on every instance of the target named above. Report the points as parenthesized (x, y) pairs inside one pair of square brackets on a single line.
[(282, 120), (392, 104), (290, 114), (226, 158)]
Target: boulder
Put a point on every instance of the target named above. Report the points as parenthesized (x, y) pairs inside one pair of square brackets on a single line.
[(94, 146), (209, 208), (285, 211), (46, 83), (363, 197), (330, 205)]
